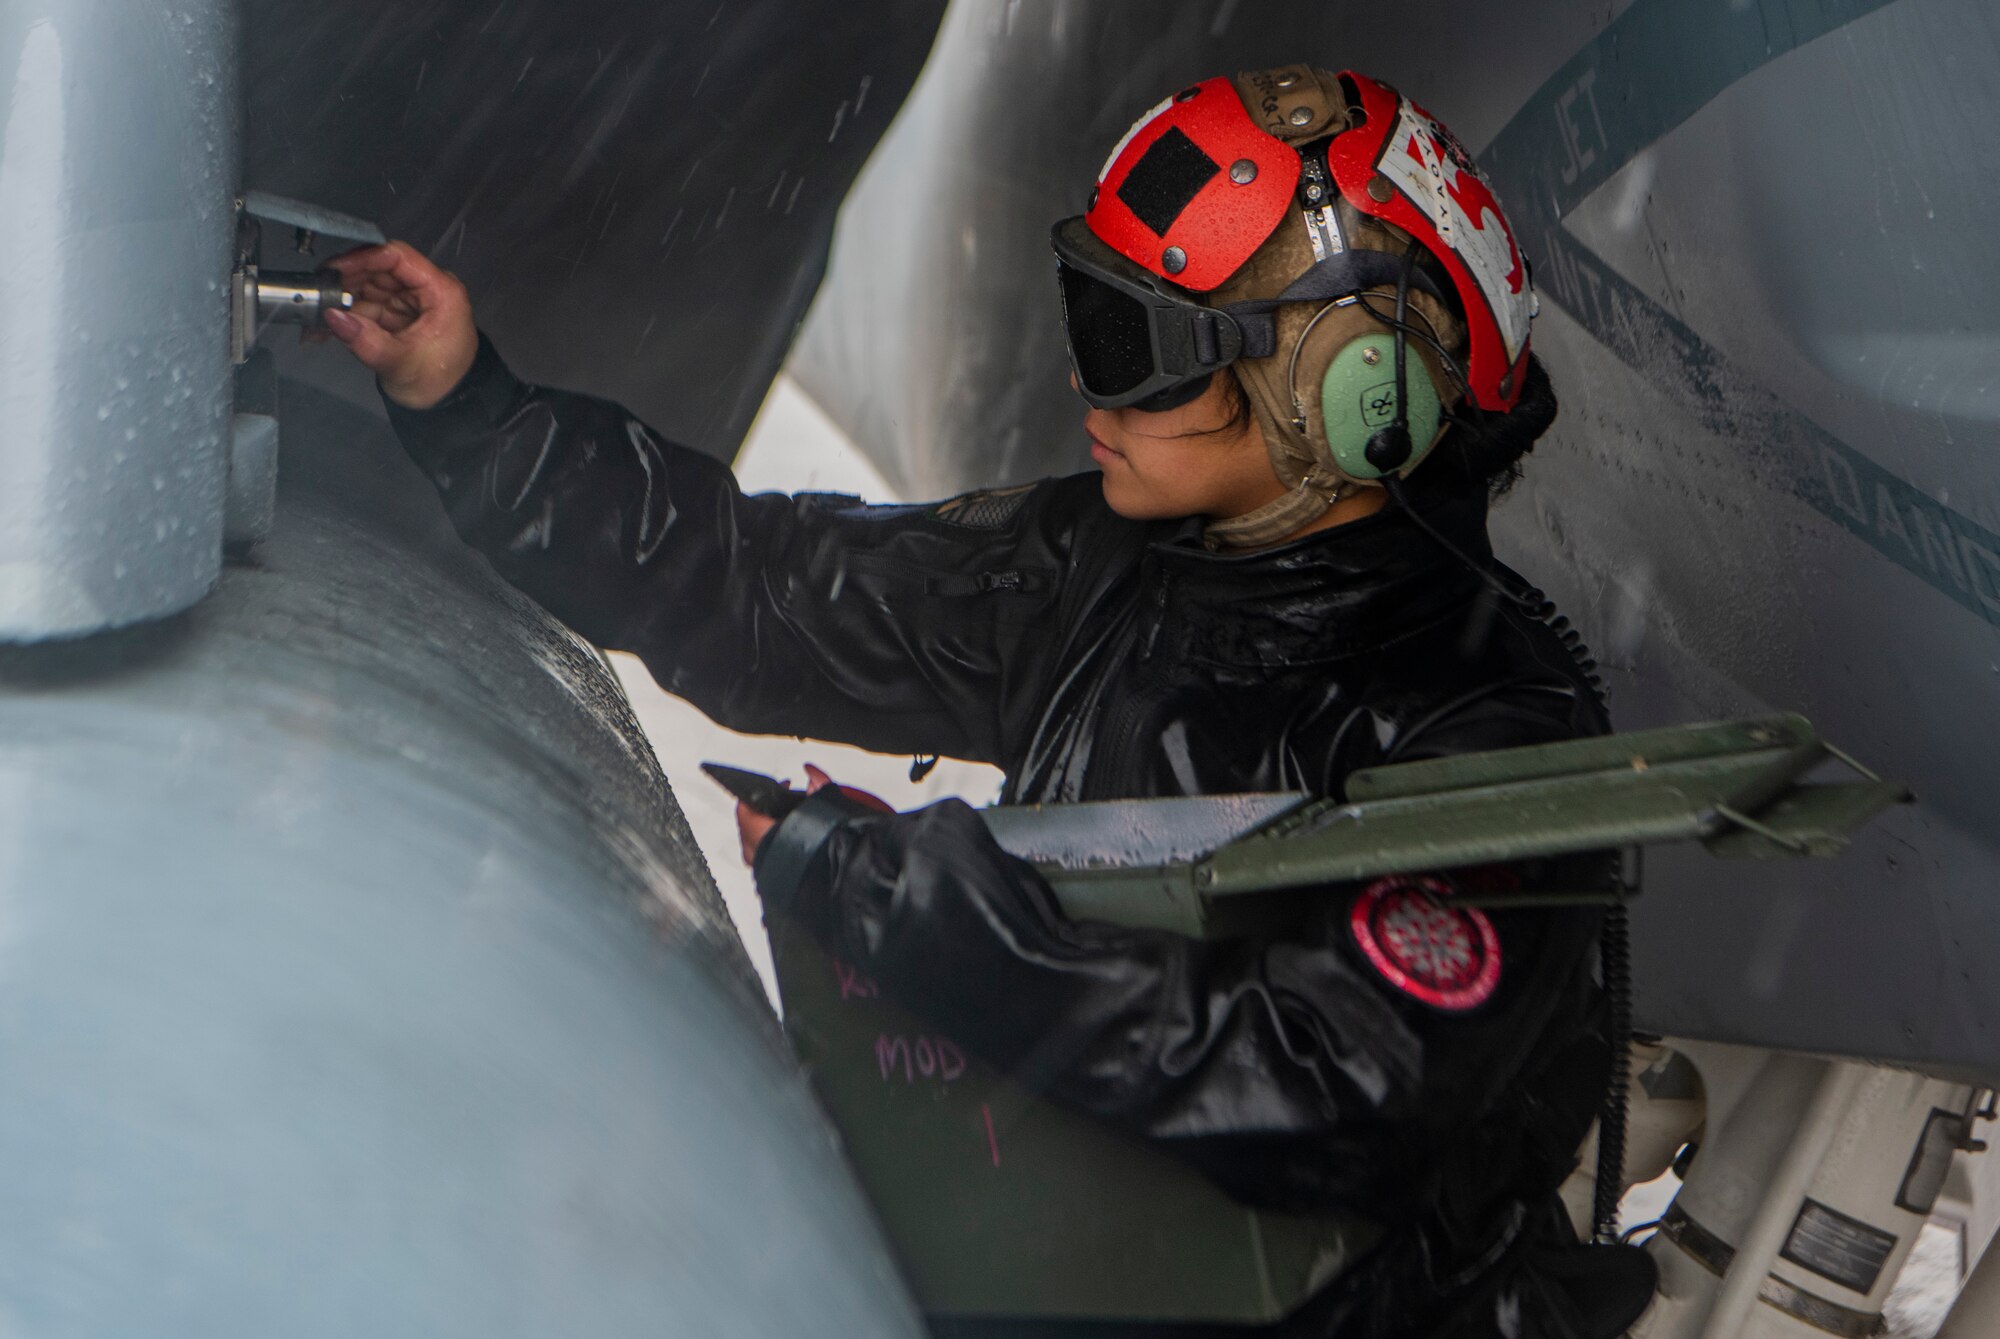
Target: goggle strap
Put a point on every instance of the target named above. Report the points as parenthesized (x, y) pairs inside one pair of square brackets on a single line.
[(1260, 330), (1335, 277)]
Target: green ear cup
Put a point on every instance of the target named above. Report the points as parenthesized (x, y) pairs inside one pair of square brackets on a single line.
[(1358, 396)]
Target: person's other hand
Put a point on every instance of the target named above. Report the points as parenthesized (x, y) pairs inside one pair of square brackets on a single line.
[(752, 827), (411, 324)]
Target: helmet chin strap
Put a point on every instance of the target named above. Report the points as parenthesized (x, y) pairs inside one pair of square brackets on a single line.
[(1277, 519)]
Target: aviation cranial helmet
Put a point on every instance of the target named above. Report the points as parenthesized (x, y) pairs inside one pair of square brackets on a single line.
[(1311, 229)]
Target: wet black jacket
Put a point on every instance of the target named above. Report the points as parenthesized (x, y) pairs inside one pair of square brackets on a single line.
[(1093, 657)]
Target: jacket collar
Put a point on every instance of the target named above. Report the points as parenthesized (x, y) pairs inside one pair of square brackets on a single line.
[(1337, 593)]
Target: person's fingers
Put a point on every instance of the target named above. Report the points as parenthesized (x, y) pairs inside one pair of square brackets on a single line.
[(369, 342), (815, 779), (385, 299), (394, 317), (411, 323), (379, 294), (382, 307), (751, 830), (390, 317), (353, 329), (394, 296), (380, 287), (398, 265), (390, 297), (413, 269)]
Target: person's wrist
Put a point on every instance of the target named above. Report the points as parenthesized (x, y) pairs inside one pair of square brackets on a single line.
[(788, 851), (432, 378)]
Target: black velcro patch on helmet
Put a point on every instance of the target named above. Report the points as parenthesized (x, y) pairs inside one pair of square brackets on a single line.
[(1160, 185)]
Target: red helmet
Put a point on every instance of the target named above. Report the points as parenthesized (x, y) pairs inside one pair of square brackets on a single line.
[(1204, 179)]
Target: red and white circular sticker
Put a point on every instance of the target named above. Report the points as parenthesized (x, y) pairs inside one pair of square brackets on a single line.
[(1438, 954)]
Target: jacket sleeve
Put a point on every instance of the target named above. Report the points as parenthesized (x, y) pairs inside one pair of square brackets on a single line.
[(901, 629), (1288, 1070)]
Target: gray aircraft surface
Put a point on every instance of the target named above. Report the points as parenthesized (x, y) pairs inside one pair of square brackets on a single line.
[(357, 973)]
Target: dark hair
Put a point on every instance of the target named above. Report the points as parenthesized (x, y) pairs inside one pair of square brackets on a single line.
[(1481, 450), (1236, 403), (1485, 449)]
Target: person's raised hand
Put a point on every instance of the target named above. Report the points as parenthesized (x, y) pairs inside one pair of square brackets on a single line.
[(411, 324)]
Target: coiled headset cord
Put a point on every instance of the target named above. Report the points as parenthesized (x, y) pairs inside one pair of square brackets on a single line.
[(1614, 954), (1614, 946), (1388, 451)]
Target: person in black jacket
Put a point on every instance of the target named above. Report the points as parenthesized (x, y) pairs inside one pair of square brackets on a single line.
[(1301, 324)]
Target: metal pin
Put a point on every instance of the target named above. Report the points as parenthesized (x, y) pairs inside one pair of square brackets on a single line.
[(1371, 356), (1379, 189), (1174, 260), (1301, 116), (1243, 172)]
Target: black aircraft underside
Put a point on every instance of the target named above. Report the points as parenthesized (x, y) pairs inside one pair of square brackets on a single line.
[(640, 195), (1756, 228)]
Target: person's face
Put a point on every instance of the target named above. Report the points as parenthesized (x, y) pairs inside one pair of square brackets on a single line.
[(1173, 464)]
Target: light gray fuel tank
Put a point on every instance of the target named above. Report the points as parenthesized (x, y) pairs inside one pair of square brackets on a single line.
[(358, 975), (118, 150)]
